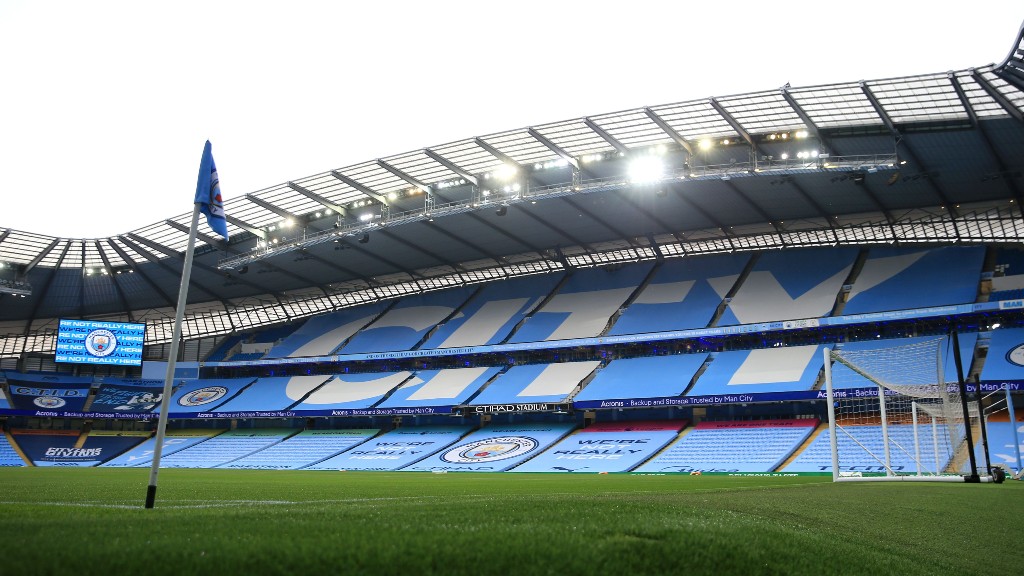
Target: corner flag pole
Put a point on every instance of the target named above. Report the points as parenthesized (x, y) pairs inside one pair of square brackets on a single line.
[(172, 358), (209, 202)]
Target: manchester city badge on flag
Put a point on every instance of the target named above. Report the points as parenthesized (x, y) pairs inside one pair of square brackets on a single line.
[(208, 193)]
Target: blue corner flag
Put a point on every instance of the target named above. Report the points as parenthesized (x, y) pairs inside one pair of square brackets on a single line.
[(208, 193)]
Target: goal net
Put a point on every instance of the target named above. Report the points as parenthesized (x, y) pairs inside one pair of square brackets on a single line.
[(894, 415)]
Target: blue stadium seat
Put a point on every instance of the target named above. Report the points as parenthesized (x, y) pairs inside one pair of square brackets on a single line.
[(226, 447), (301, 450), (758, 446), (494, 312), (584, 304), (535, 383), (395, 449), (1005, 360), (407, 322), (648, 377), (901, 278), (788, 285), (764, 370), (680, 295), (321, 335), (272, 393), (352, 391), (450, 387)]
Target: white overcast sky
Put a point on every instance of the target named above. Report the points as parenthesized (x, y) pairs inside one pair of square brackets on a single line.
[(106, 105)]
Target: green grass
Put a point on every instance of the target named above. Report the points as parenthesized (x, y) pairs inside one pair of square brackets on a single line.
[(91, 521)]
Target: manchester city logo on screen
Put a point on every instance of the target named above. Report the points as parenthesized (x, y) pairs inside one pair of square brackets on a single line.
[(100, 343), (490, 449)]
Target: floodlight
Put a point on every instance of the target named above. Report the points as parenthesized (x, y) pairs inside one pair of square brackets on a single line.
[(365, 217), (646, 169), (705, 144), (801, 133), (505, 172)]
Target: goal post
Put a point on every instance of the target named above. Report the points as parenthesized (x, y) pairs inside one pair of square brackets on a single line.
[(894, 415)]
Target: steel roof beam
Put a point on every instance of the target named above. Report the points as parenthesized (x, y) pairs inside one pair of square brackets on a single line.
[(271, 208), (162, 262), (170, 252), (39, 257), (360, 187), (806, 119), (754, 205), (459, 170), (554, 148), (38, 301), (735, 124), (669, 130), (113, 279), (998, 96), (596, 218), (417, 248), (452, 236), (341, 210), (496, 153), (989, 146), (611, 140), (5, 234), (171, 301), (262, 234), (512, 237), (411, 180), (211, 240), (887, 120), (877, 106)]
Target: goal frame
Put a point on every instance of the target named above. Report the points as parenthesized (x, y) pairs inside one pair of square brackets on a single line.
[(837, 476)]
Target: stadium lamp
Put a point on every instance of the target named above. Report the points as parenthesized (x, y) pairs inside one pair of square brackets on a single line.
[(646, 169)]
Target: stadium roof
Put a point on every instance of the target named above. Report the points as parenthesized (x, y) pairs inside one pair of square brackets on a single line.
[(929, 158)]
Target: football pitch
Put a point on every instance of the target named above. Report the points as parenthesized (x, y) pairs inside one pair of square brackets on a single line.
[(91, 521)]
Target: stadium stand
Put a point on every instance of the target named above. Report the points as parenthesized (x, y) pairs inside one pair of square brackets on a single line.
[(1000, 444), (227, 347), (898, 278), (680, 295), (647, 377), (1008, 277), (735, 446), (535, 383), (48, 391), (762, 370), (787, 285), (225, 448), (449, 387), (348, 391), (405, 324), (575, 299), (124, 395), (494, 312), (584, 304), (301, 450), (8, 454), (272, 393), (1005, 360), (494, 449), (844, 377), (322, 335), (175, 440), (817, 456), (395, 449), (69, 448), (52, 447), (206, 394), (605, 447)]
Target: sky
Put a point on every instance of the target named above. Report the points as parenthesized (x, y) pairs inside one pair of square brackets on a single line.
[(105, 106)]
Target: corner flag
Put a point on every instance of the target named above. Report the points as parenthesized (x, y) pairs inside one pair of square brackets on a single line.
[(208, 193)]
